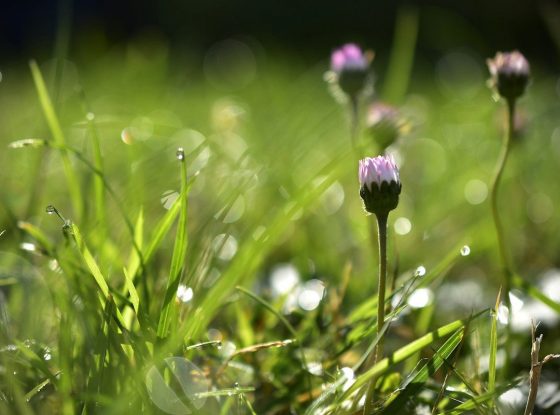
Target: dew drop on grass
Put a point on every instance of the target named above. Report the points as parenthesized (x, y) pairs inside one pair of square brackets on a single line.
[(28, 246), (90, 116), (180, 154), (420, 271), (184, 293), (420, 298), (50, 209), (283, 279), (465, 250), (311, 294)]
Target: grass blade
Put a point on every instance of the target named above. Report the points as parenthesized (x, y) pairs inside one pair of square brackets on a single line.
[(428, 369), (534, 292), (90, 262), (58, 138), (178, 257), (405, 352), (493, 345), (94, 270)]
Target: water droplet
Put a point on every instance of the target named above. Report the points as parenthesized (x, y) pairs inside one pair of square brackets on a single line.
[(236, 385), (225, 246), (191, 384), (420, 298), (180, 154), (219, 345), (311, 294), (184, 293), (90, 116), (402, 226), (53, 265), (227, 349), (126, 136), (349, 376), (50, 209), (283, 279), (315, 368), (476, 191), (28, 246), (168, 198), (503, 314), (465, 250), (234, 212), (420, 271)]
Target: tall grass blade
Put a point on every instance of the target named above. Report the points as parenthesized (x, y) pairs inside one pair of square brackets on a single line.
[(168, 312), (493, 344), (59, 140)]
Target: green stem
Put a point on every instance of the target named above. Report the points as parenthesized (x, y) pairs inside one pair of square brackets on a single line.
[(354, 124), (378, 353), (506, 268), (382, 232)]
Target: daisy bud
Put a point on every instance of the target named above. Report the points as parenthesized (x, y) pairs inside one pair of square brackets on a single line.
[(380, 184), (350, 66), (509, 74), (384, 123)]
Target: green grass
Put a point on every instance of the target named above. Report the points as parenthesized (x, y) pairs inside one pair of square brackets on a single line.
[(268, 178)]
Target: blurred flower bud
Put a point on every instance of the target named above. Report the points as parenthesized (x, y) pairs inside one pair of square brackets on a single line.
[(509, 74), (350, 69), (380, 184), (385, 123)]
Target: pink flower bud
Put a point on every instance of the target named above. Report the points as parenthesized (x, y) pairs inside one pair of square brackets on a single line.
[(385, 123), (349, 57), (380, 184), (350, 69), (509, 74)]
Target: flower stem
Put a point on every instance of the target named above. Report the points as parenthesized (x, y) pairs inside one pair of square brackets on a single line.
[(382, 233), (354, 124), (378, 352), (506, 268)]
